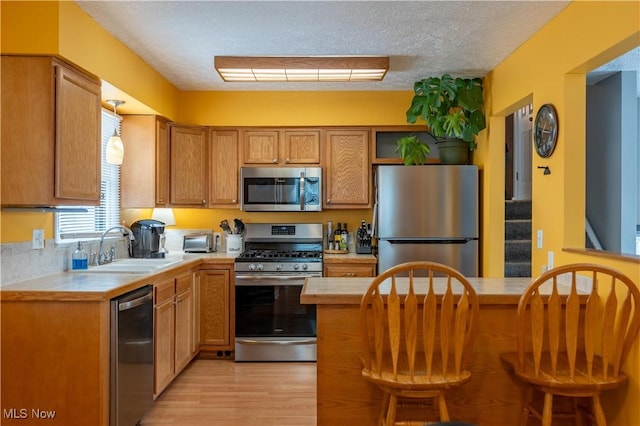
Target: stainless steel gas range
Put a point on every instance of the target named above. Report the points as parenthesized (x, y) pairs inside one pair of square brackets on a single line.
[(271, 324)]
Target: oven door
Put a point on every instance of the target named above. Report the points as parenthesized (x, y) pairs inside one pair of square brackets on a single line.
[(271, 323)]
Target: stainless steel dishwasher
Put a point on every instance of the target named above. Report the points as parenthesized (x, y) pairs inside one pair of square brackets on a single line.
[(131, 357)]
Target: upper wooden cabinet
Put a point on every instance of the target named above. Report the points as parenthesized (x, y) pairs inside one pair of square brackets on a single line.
[(223, 169), (145, 169), (188, 165), (280, 146), (51, 128), (348, 169)]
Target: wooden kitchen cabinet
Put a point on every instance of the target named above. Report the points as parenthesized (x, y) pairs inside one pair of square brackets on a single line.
[(280, 146), (144, 174), (348, 169), (188, 165), (51, 133), (216, 309), (223, 169), (164, 335), (348, 270), (173, 329)]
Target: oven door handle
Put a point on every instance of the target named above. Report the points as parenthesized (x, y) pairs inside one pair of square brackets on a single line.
[(267, 280), (302, 191), (276, 342)]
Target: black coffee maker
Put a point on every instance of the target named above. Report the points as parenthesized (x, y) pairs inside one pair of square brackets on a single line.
[(147, 233)]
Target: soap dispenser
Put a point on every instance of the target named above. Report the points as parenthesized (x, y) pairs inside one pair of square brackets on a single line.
[(80, 258)]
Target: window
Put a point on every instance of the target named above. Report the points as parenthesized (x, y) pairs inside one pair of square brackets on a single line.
[(71, 227)]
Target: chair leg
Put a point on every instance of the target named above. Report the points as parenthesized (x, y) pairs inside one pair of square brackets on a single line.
[(597, 411), (382, 418), (547, 410), (391, 412), (524, 415), (442, 407), (577, 411)]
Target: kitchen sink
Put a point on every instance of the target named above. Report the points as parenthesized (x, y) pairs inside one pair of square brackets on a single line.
[(134, 266)]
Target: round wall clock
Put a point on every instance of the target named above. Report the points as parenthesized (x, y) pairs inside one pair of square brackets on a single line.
[(545, 130)]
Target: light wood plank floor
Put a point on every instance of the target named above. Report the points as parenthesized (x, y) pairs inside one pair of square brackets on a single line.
[(223, 392)]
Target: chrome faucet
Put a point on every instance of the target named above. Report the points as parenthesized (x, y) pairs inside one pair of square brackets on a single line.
[(102, 255)]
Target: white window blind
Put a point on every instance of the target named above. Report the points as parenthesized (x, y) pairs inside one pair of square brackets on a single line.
[(71, 227)]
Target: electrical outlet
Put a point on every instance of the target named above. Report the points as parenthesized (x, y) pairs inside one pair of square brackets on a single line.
[(550, 260), (38, 239), (539, 239)]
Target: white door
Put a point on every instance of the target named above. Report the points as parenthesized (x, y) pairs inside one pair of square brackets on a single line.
[(522, 143)]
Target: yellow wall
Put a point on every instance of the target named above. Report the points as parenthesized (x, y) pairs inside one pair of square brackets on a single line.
[(550, 68)]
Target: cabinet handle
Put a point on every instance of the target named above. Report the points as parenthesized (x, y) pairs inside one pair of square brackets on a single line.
[(348, 274), (275, 161), (234, 201), (204, 201), (287, 161)]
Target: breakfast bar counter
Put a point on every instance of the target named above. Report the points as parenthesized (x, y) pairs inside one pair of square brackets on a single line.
[(491, 397)]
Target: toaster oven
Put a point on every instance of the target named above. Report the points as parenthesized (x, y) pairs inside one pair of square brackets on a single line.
[(199, 243)]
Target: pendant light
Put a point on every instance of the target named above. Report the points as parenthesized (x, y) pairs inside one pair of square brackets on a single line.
[(115, 148)]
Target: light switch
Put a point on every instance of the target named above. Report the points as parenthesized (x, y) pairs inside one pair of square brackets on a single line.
[(550, 260), (38, 239), (539, 239)]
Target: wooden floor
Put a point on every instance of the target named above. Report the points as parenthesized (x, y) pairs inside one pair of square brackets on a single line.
[(223, 392)]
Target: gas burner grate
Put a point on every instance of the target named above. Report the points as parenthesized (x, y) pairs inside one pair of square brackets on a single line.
[(280, 254)]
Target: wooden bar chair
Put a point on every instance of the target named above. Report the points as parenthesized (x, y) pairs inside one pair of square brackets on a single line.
[(564, 350), (418, 322)]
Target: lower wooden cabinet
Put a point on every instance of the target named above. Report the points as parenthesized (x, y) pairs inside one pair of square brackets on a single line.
[(216, 309), (173, 329), (347, 270)]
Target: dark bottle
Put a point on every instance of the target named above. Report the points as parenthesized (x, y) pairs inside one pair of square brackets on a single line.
[(337, 235), (344, 238)]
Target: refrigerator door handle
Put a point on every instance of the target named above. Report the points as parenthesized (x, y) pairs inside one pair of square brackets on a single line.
[(430, 241)]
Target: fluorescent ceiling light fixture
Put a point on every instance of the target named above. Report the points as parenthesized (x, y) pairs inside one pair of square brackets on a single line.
[(301, 68)]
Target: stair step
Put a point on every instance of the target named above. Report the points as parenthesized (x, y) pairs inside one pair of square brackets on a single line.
[(517, 269), (517, 209), (517, 251), (517, 229)]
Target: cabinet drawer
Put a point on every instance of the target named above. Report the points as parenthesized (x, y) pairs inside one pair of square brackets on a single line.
[(349, 270), (163, 291), (183, 283)]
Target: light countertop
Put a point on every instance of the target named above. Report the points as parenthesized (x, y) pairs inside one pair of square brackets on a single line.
[(96, 287), (349, 291)]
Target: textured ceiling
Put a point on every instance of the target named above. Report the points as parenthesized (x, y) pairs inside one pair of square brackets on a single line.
[(180, 38)]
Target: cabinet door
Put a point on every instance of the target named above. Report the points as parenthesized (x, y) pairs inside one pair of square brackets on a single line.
[(50, 133), (78, 134), (164, 334), (260, 147), (144, 171), (184, 328), (223, 165), (162, 162), (188, 164), (349, 270), (214, 308), (195, 286), (348, 174), (301, 146)]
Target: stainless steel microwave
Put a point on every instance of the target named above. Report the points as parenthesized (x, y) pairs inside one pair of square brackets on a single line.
[(281, 189)]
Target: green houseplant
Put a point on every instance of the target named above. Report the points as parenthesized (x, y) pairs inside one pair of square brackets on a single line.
[(452, 109), (412, 150)]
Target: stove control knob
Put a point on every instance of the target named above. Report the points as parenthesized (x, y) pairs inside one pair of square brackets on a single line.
[(296, 266), (278, 266), (304, 266), (252, 267), (260, 267)]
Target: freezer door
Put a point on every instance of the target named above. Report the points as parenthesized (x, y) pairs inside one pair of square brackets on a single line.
[(433, 201), (458, 254)]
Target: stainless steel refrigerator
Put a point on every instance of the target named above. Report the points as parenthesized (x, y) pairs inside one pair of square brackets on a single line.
[(428, 213)]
